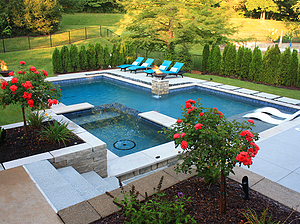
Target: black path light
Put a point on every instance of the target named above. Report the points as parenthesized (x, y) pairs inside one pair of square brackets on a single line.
[(245, 184)]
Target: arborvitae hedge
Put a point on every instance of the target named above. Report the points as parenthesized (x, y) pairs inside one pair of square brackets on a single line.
[(210, 60), (130, 53), (223, 59), (83, 58), (255, 69), (247, 58), (65, 59), (184, 56), (56, 61), (230, 58), (99, 55), (91, 56), (239, 59), (113, 56), (291, 79), (271, 64), (284, 63), (74, 58), (205, 56), (122, 56), (216, 59), (106, 57)]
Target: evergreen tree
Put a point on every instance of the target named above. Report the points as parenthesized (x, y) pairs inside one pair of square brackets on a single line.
[(255, 69), (56, 61), (99, 55), (65, 59), (184, 56), (121, 59), (205, 56), (91, 56), (216, 60), (239, 59), (291, 79), (223, 59), (230, 58), (83, 58), (106, 56), (247, 58), (284, 63), (271, 64), (113, 56), (74, 58), (130, 53), (210, 60)]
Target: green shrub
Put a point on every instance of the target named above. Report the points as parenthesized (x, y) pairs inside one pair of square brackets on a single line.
[(253, 218), (113, 56), (58, 132), (91, 56), (74, 58), (185, 57), (255, 69), (56, 61), (65, 59), (83, 58), (121, 59), (291, 79), (223, 59), (106, 56), (229, 62), (239, 60), (247, 58), (271, 64), (209, 61), (35, 118), (284, 63), (205, 54), (216, 59), (130, 53), (99, 55)]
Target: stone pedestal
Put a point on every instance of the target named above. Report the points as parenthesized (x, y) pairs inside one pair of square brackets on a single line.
[(160, 87)]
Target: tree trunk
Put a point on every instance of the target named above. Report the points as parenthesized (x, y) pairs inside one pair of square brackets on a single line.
[(223, 193), (24, 120)]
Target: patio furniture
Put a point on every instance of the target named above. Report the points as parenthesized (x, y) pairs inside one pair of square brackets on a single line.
[(175, 70), (146, 65), (138, 61), (163, 67)]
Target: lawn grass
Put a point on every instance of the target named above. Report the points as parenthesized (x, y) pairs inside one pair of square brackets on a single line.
[(295, 94)]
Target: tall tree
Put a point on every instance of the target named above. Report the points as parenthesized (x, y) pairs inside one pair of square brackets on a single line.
[(74, 58), (205, 55), (261, 6), (229, 61), (216, 59), (247, 58), (256, 65), (291, 79), (239, 60), (71, 6), (284, 63), (270, 65)]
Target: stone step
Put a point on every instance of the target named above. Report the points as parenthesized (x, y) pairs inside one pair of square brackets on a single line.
[(79, 183), (101, 184), (56, 189)]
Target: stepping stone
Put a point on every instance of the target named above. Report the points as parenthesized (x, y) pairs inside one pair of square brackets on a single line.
[(288, 100), (267, 95), (228, 87), (246, 91), (211, 83), (79, 183)]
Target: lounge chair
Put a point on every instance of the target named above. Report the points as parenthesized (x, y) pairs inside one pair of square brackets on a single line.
[(147, 64), (163, 67), (138, 61), (175, 70)]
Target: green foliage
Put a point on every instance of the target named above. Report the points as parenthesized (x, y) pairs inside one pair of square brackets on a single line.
[(58, 132), (114, 56), (271, 64), (223, 59), (157, 209), (185, 57), (261, 6), (130, 53), (284, 63), (103, 6), (255, 70), (65, 59), (91, 57), (239, 60), (229, 60), (216, 59), (252, 217), (209, 142), (83, 58), (56, 61), (205, 54), (74, 58), (247, 58), (36, 118), (99, 55), (71, 6), (291, 79), (106, 57), (122, 57)]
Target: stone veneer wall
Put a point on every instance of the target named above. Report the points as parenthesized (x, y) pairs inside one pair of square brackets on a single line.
[(160, 87)]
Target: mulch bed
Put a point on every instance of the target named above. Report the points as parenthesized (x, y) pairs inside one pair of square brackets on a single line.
[(205, 205), (18, 145)]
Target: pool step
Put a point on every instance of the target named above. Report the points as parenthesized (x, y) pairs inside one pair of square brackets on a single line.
[(101, 184), (66, 187), (81, 120)]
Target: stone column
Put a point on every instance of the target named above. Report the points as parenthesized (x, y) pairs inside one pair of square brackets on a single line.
[(160, 87)]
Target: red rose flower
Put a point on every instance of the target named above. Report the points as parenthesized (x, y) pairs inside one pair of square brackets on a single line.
[(30, 103), (22, 63), (11, 73), (188, 105), (13, 88), (14, 80), (184, 144), (27, 96), (201, 114), (177, 135), (55, 101), (251, 121), (198, 126), (182, 135), (27, 85), (179, 121), (36, 72), (20, 72), (45, 73), (32, 68), (4, 84)]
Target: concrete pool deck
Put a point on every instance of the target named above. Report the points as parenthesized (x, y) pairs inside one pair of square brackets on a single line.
[(275, 171)]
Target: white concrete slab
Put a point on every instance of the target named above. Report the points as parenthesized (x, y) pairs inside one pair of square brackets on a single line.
[(158, 118), (267, 95), (228, 87), (212, 83), (288, 100), (246, 91), (291, 181), (72, 108), (27, 160), (163, 152)]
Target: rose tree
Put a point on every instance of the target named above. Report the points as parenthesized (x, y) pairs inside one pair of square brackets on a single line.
[(212, 144), (29, 89)]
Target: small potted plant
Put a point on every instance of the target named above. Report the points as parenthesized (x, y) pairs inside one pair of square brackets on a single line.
[(4, 72)]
